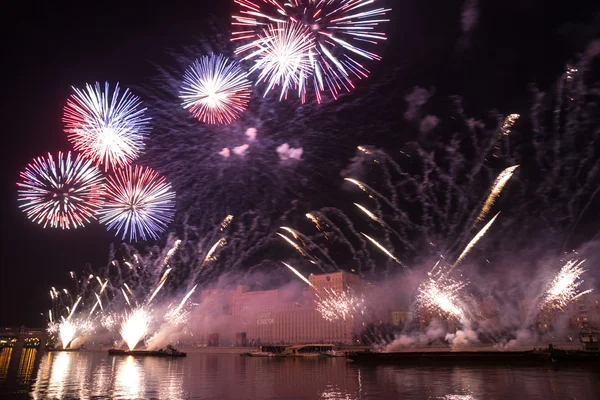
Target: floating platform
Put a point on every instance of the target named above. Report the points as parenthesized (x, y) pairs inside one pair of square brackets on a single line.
[(65, 350), (479, 357), (149, 353)]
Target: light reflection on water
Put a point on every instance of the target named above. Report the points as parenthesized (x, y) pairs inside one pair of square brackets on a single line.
[(93, 374)]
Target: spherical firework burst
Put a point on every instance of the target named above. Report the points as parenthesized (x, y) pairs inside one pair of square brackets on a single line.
[(107, 128), (341, 30), (215, 90), (138, 202), (62, 192), (282, 54), (564, 287)]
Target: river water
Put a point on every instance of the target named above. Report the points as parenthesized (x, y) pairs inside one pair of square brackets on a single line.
[(94, 374)]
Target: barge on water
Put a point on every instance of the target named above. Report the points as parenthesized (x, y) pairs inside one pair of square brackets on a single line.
[(532, 357), (152, 353)]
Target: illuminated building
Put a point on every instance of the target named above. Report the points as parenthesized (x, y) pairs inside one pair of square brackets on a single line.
[(275, 316)]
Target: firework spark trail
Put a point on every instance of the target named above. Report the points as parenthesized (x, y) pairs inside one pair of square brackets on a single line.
[(305, 239), (564, 287), (99, 301), (371, 215), (108, 130), (215, 90), (315, 221), (340, 31), (386, 251), (160, 285), (171, 251), (61, 193), (294, 245), (139, 202), (209, 256), (497, 187), (74, 308), (226, 222), (473, 242), (175, 315), (127, 287), (126, 298), (299, 274)]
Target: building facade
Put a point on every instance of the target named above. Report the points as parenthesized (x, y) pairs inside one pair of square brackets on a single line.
[(271, 317)]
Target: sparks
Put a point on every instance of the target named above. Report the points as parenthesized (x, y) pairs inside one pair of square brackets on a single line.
[(282, 55), (135, 326), (139, 203), (341, 33), (564, 287), (497, 187), (215, 90), (61, 193), (107, 129)]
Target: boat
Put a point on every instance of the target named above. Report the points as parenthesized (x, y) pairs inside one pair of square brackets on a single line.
[(69, 349), (170, 352), (258, 354), (306, 350), (334, 353)]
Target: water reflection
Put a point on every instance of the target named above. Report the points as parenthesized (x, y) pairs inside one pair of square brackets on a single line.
[(5, 355), (93, 374), (129, 378), (26, 366)]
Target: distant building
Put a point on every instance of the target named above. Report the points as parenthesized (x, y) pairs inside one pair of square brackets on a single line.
[(269, 316)]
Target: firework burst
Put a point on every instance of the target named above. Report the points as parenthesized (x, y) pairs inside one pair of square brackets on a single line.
[(344, 305), (215, 90), (564, 288), (441, 296), (341, 30), (61, 193), (139, 203), (135, 326), (108, 129), (282, 54)]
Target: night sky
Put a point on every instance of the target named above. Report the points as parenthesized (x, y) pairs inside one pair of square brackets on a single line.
[(51, 47)]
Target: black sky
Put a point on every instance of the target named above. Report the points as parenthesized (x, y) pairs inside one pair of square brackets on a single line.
[(50, 47)]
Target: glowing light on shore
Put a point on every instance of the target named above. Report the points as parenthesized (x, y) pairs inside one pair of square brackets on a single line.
[(298, 274), (564, 288), (497, 187), (135, 326)]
